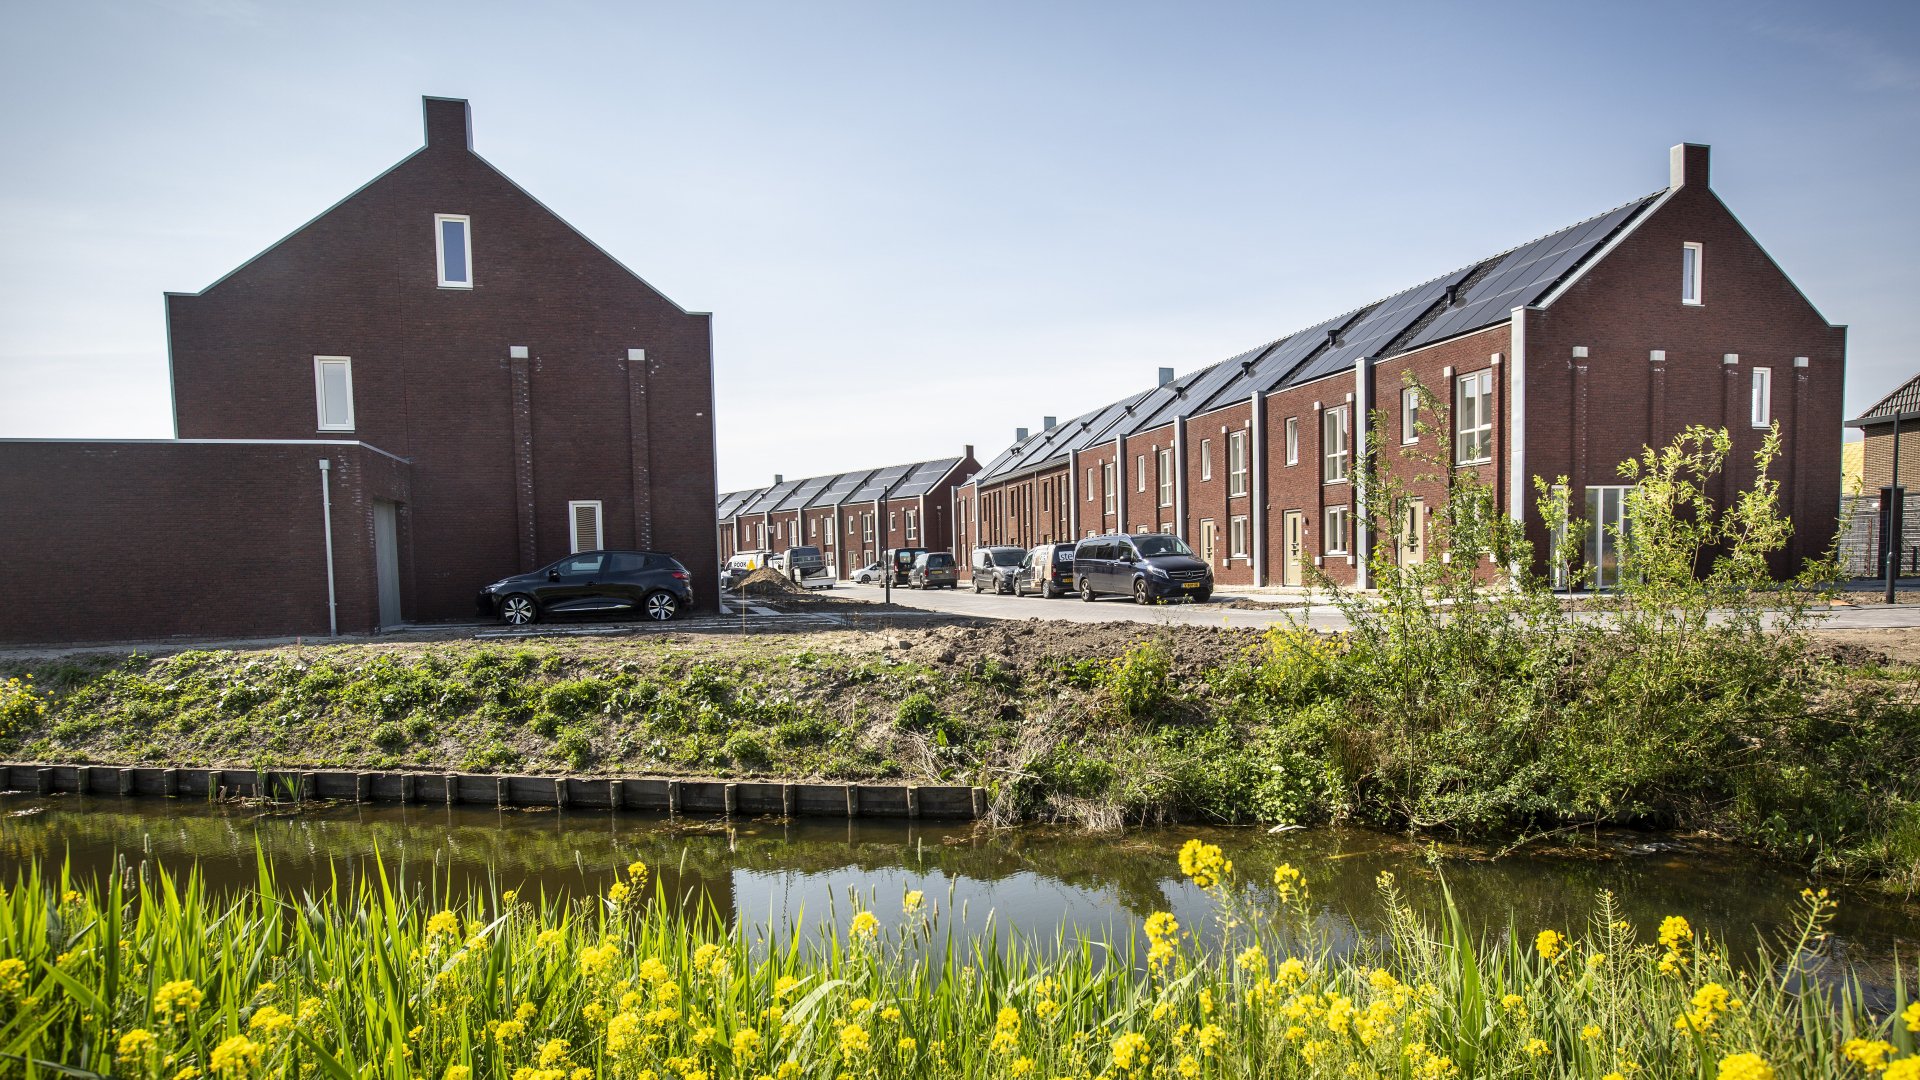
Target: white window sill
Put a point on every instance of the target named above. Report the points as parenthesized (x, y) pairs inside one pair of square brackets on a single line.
[(450, 285), (1475, 461), (1693, 303)]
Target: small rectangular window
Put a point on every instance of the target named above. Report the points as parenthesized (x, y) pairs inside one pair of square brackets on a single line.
[(452, 241), (1140, 473), (1166, 478), (1691, 256), (1108, 487), (1335, 444), (1335, 535), (1762, 397), (1236, 463), (1089, 483), (584, 525), (1206, 459), (1293, 440), (1410, 415), (333, 391), (1237, 537), (1473, 418)]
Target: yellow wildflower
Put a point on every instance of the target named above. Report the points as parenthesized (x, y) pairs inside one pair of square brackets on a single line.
[(1675, 933), (1286, 881), (906, 1045), (1550, 944), (784, 986), (637, 872), (746, 1045), (854, 1040), (1870, 1055), (135, 1045), (1536, 1048), (458, 1072), (13, 975), (177, 998), (1130, 1050), (1204, 863), (237, 1056), (1021, 1066), (1744, 1067), (618, 892), (443, 923), (865, 925), (1907, 1068), (1912, 1016), (1590, 1032), (554, 1052), (270, 1021), (598, 959)]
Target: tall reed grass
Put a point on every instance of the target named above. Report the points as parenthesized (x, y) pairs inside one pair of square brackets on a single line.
[(148, 975)]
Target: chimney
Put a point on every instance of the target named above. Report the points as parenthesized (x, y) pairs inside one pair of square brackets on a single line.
[(1687, 164), (449, 123), (1019, 434), (969, 454), (1166, 375), (1048, 423), (778, 479)]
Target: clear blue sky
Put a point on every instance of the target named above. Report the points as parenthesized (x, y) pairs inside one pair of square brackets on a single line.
[(922, 225)]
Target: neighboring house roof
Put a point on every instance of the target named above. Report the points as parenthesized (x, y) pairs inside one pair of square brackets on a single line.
[(1903, 403), (862, 485), (1471, 298)]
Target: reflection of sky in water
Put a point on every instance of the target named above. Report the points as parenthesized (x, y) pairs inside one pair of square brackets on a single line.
[(1033, 883)]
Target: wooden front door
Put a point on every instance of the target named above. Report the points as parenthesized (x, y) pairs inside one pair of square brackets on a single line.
[(1413, 533), (1293, 529)]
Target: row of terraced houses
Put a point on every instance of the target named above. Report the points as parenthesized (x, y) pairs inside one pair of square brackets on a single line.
[(1559, 358)]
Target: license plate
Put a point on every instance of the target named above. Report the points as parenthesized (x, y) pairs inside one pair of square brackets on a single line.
[(1191, 585)]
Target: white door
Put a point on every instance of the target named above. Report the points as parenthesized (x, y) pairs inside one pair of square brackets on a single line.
[(386, 560), (1293, 530)]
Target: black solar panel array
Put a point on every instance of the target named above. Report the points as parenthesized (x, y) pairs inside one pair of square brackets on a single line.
[(1467, 299)]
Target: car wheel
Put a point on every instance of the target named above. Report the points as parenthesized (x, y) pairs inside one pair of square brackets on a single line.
[(1140, 594), (1203, 596), (519, 609), (976, 586), (1086, 591), (660, 606)]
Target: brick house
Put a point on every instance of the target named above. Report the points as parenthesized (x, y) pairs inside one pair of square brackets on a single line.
[(435, 383), (851, 517), (1563, 356), (1877, 438)]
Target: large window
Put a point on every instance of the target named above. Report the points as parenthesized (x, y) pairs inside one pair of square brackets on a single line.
[(913, 526), (1762, 397), (1473, 418), (1335, 535), (1606, 527), (1336, 444), (1166, 477), (1293, 440), (1691, 256), (1236, 463), (1410, 415), (333, 391), (453, 247)]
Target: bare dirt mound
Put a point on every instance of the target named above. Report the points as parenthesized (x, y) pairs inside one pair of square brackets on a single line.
[(767, 582)]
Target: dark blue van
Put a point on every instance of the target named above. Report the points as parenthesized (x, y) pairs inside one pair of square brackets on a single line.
[(1146, 566)]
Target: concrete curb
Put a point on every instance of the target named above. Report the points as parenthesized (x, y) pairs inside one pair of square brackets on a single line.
[(708, 797)]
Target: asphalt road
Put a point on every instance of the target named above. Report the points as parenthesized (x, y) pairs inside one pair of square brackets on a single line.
[(963, 601)]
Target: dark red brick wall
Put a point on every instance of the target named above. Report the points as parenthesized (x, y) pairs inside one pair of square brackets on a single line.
[(1143, 507), (1208, 499), (1585, 416), (140, 540), (433, 382)]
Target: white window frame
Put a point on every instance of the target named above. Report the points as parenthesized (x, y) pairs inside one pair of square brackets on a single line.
[(1336, 445), (1467, 439), (1090, 491), (1206, 459), (320, 366), (440, 249), (1140, 466), (1409, 415), (1604, 545), (1293, 441), (1108, 487), (1164, 463), (1238, 540), (913, 527), (599, 526), (1332, 533), (1237, 465), (1761, 400), (1693, 278)]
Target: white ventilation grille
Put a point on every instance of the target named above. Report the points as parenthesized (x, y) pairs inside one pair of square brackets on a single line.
[(585, 519)]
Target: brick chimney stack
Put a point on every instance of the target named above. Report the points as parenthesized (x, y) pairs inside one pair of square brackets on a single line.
[(449, 123), (1687, 164)]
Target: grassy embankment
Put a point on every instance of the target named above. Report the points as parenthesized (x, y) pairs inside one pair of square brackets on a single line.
[(154, 979)]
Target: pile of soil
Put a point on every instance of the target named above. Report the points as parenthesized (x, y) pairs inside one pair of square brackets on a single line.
[(767, 582)]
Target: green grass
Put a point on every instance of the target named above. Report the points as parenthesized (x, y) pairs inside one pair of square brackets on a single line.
[(160, 979)]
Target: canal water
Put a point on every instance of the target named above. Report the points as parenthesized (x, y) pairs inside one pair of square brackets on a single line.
[(1033, 882)]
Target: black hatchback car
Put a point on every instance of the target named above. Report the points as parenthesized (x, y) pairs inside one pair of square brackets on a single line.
[(648, 582), (1149, 566)]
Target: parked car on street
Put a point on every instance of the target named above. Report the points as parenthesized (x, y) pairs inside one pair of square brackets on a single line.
[(804, 566), (1147, 566), (742, 564), (1047, 570), (647, 582), (901, 560), (932, 570), (996, 568), (867, 574)]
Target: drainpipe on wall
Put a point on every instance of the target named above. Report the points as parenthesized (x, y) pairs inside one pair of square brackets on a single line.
[(1362, 419), (1517, 420), (1073, 496), (326, 517), (1120, 482), (1180, 478), (1257, 485)]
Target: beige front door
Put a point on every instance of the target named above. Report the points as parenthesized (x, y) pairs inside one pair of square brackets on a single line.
[(1413, 533), (1209, 539), (1293, 528)]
